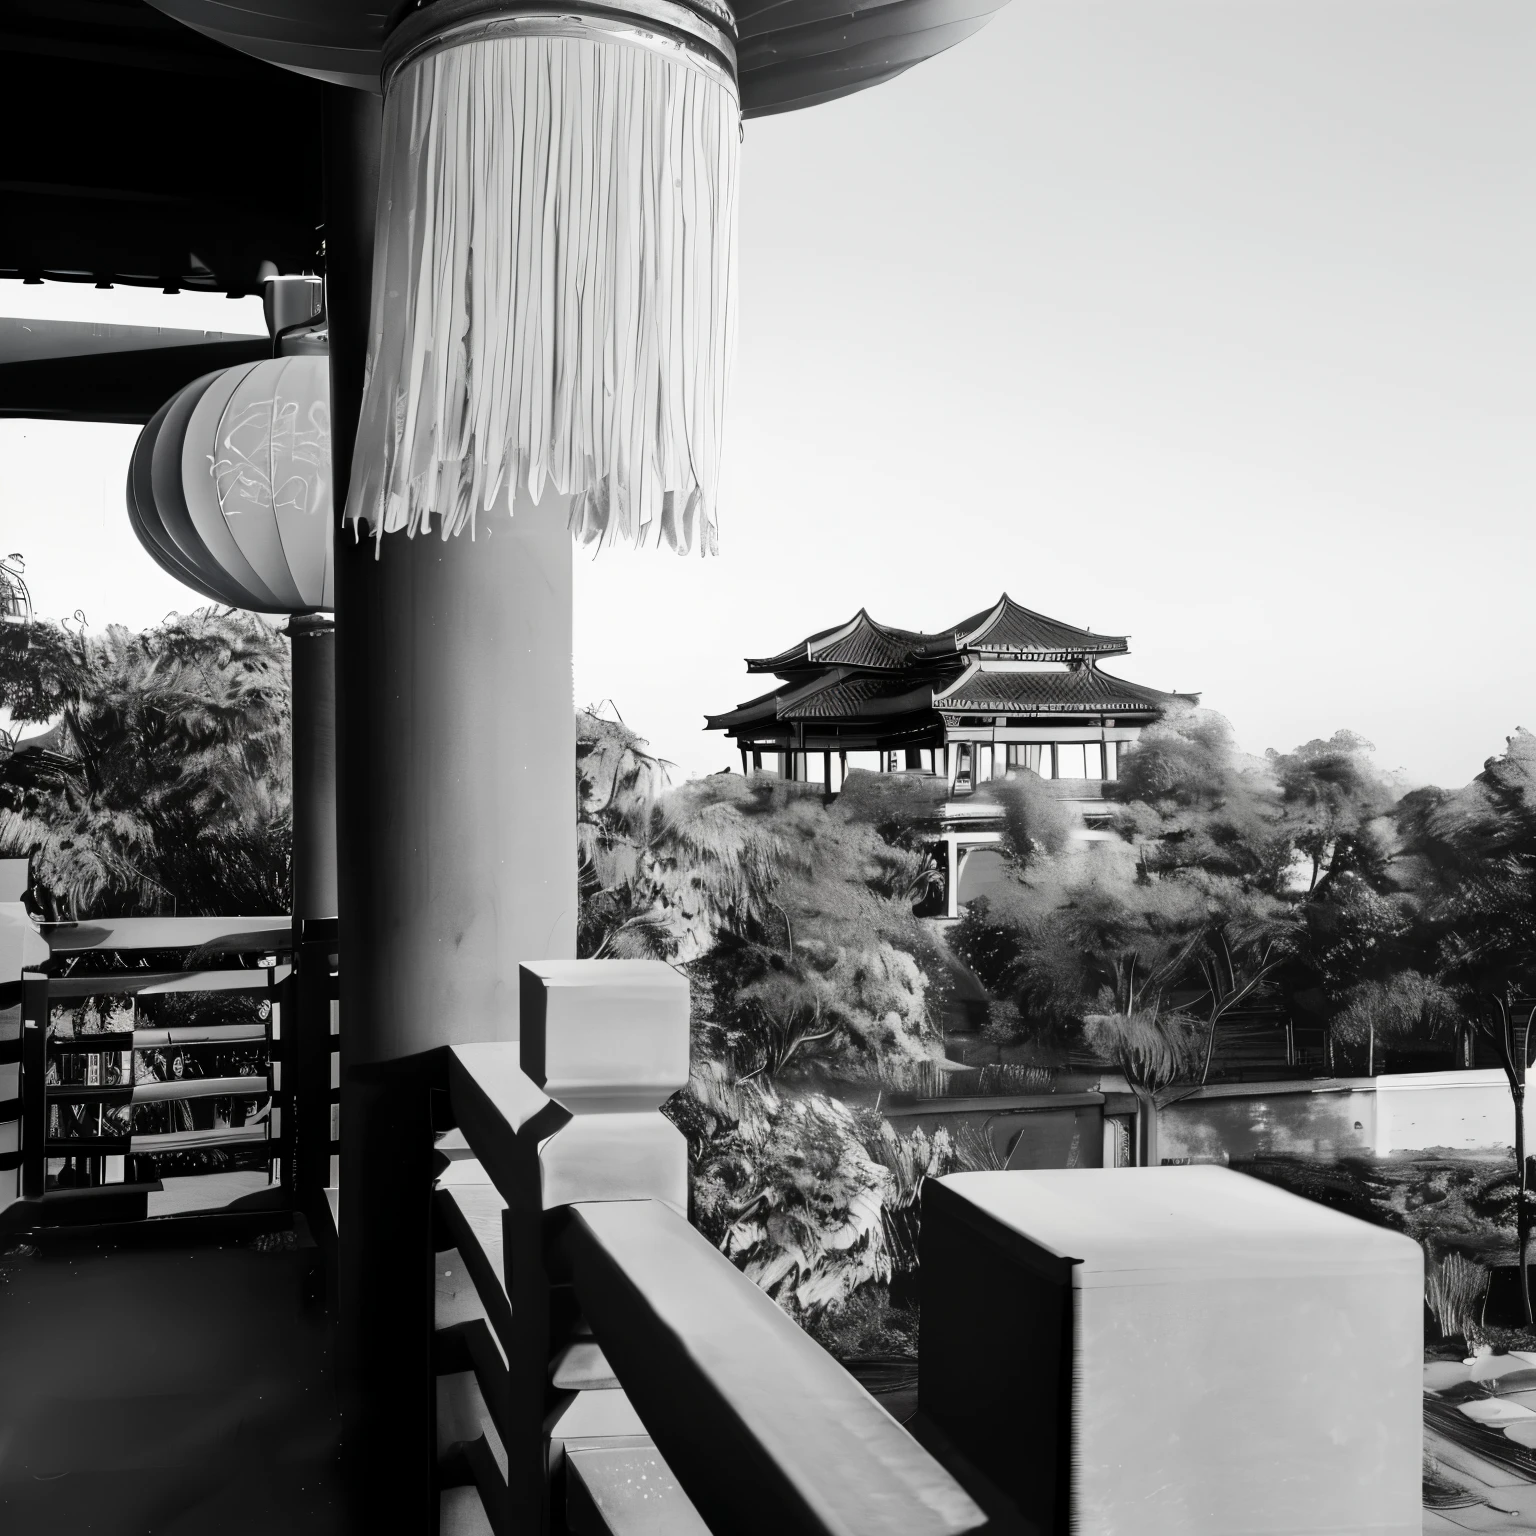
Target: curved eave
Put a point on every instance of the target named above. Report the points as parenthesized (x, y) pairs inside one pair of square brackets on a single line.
[(915, 700), (1065, 707), (815, 651), (1042, 653), (1124, 705), (753, 712), (1084, 691), (1042, 639), (772, 706), (781, 708)]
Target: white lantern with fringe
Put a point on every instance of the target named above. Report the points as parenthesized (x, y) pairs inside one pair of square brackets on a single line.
[(554, 284)]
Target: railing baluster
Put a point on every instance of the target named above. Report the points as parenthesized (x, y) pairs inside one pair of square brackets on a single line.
[(34, 1070), (307, 1061)]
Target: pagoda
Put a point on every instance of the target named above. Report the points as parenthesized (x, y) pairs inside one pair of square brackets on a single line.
[(1004, 691), (1006, 688)]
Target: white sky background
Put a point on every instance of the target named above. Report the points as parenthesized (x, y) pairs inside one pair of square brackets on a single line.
[(1206, 322)]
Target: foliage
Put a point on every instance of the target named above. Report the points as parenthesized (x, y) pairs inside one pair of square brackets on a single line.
[(1334, 807), (661, 872), (785, 1185), (1187, 803), (1470, 856), (1454, 1287), (162, 784), (1035, 823), (868, 1324), (1407, 1003), (796, 918)]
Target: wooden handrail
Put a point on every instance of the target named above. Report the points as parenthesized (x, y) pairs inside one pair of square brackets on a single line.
[(586, 1179), (176, 1036), (765, 1431), (229, 935), (154, 1091), (160, 983)]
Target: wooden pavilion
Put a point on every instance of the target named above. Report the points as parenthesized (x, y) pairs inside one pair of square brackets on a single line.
[(1006, 688)]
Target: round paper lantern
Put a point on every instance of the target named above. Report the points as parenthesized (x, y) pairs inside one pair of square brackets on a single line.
[(229, 488)]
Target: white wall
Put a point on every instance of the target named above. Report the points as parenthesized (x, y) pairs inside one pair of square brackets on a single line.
[(1411, 1112)]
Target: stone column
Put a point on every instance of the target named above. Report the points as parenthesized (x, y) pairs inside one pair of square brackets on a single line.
[(312, 639), (462, 749), (457, 823), (307, 1031)]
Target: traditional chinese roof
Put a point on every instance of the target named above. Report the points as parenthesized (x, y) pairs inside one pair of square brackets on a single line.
[(840, 696), (865, 678), (1008, 628), (1072, 690), (861, 642)]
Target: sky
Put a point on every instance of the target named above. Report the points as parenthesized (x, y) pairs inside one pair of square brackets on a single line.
[(1209, 323)]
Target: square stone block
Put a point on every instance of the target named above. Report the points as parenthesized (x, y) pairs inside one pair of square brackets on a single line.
[(1174, 1352), (604, 1034)]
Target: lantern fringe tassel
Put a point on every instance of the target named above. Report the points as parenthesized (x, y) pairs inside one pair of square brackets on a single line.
[(554, 291)]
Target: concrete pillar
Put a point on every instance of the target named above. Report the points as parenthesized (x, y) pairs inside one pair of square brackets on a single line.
[(457, 834), (384, 1282), (312, 640), (464, 752), (307, 1022)]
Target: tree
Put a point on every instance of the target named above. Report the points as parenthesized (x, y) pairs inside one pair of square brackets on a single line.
[(1099, 957), (1153, 1044), (1236, 961), (1186, 801), (1471, 857), (1403, 1004), (1335, 807), (1036, 824), (662, 871), (163, 779), (832, 980)]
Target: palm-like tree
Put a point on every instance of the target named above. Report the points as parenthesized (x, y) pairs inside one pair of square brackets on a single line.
[(162, 783), (1152, 1044), (661, 872)]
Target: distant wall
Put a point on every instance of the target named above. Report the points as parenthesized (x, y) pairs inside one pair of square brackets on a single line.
[(1064, 1130), (1407, 1112), (1229, 1122)]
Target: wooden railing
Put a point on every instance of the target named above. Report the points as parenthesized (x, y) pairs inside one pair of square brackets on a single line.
[(66, 1114), (601, 1366)]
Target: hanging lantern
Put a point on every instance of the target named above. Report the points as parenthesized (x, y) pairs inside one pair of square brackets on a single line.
[(554, 287), (229, 488)]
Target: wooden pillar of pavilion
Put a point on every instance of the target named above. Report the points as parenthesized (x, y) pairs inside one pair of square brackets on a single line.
[(312, 642), (458, 836)]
